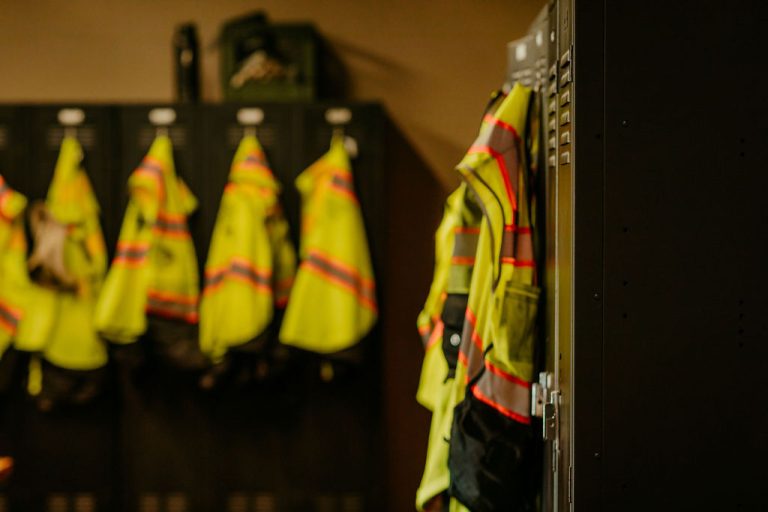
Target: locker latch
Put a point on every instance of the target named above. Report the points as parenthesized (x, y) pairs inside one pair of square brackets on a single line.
[(551, 413), (544, 404)]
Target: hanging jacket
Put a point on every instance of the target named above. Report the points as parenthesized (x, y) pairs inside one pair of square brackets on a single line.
[(154, 272), (333, 302), (459, 233), (72, 343), (251, 261), (491, 457), (14, 281)]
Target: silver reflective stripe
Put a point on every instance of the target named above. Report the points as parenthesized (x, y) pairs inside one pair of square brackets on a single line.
[(8, 316), (465, 245), (511, 398), (365, 291)]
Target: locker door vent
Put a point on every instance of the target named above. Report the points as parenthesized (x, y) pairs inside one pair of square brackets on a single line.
[(58, 503), (266, 133), (86, 134), (350, 502), (252, 502), (179, 136)]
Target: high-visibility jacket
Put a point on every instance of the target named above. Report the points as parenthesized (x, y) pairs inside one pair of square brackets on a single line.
[(154, 271), (492, 385), (333, 302), (459, 232), (73, 343), (14, 281), (251, 261)]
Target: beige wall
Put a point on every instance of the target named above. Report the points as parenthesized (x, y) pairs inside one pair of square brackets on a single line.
[(432, 62)]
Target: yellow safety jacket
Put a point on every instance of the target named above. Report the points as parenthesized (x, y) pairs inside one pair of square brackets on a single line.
[(251, 261), (497, 343), (459, 233), (72, 342), (333, 302), (14, 281), (154, 271)]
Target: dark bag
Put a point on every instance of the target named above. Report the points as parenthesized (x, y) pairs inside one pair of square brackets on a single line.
[(492, 460)]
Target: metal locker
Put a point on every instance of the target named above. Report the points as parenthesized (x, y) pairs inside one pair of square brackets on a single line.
[(658, 269), (78, 447)]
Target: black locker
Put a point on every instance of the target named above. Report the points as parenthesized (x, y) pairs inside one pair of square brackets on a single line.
[(155, 441), (659, 271), (78, 446)]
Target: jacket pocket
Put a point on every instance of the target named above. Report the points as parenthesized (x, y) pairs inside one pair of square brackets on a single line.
[(516, 313)]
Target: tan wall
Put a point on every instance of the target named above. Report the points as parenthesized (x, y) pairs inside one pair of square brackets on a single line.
[(431, 62)]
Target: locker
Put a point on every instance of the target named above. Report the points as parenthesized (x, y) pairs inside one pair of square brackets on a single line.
[(654, 258), (155, 441)]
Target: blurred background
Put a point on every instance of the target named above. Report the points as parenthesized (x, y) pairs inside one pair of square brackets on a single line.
[(430, 65)]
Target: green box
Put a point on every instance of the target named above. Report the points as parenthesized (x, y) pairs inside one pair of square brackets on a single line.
[(252, 49)]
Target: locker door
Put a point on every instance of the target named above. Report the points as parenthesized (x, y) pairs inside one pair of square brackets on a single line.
[(252, 424), (354, 451), (167, 441), (77, 444)]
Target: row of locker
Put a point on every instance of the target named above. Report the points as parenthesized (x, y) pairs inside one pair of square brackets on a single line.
[(154, 441), (115, 138)]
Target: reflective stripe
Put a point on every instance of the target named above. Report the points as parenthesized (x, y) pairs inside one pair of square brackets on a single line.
[(505, 392), (515, 412), (436, 336), (504, 165), (131, 252), (471, 348), (364, 289), (344, 186), (240, 270), (172, 305), (501, 124), (171, 225), (9, 317), (465, 245)]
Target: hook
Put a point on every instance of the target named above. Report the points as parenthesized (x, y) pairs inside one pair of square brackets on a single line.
[(162, 118), (71, 118), (250, 118), (339, 118)]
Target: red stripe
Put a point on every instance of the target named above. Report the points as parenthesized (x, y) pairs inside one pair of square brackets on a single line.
[(281, 302), (173, 297), (245, 279), (467, 230), (14, 312), (367, 283), (8, 327), (469, 315), (518, 263), (132, 246), (502, 167), (436, 336), (463, 260), (172, 217), (503, 410), (507, 376), (501, 124), (362, 299), (180, 235), (345, 192), (167, 313), (517, 229)]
